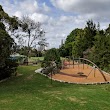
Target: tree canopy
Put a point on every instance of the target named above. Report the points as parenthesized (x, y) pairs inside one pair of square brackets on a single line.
[(52, 55), (6, 43), (91, 43), (7, 66)]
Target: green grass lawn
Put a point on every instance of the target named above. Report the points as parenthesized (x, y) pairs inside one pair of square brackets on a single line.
[(30, 91), (35, 58)]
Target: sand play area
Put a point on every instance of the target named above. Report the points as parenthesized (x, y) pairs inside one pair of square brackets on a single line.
[(81, 73)]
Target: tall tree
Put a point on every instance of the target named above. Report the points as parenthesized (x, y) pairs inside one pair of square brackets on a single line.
[(10, 23), (75, 42), (7, 66), (6, 43), (30, 34), (108, 30), (100, 53), (78, 44), (90, 32)]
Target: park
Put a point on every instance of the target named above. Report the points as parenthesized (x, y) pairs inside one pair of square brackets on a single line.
[(66, 73)]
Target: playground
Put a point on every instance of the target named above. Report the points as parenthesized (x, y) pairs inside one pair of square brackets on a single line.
[(81, 71)]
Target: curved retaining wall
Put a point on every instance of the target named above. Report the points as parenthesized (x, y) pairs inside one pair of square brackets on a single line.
[(95, 83)]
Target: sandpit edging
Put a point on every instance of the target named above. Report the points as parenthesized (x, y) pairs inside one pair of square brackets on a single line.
[(94, 83)]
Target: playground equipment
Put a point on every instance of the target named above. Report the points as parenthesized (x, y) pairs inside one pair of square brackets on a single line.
[(71, 62)]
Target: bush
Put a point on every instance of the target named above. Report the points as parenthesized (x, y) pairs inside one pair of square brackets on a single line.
[(51, 55), (9, 69), (49, 70), (52, 61)]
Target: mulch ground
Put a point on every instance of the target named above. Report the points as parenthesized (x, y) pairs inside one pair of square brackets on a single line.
[(78, 74)]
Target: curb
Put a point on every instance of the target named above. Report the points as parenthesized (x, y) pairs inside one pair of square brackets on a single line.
[(95, 83)]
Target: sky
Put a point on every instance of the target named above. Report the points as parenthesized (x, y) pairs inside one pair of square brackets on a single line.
[(60, 17)]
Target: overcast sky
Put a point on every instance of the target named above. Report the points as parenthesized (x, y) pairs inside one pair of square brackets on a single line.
[(60, 17)]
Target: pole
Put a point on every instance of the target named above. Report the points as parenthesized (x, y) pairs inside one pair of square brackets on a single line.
[(83, 63), (89, 73), (94, 72), (73, 62), (51, 77), (69, 61)]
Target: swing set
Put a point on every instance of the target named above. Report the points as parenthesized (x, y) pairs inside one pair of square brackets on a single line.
[(82, 64)]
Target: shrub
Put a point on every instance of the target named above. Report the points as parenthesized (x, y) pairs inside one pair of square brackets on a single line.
[(52, 61), (9, 69)]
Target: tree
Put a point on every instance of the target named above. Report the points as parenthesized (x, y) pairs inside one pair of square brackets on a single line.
[(75, 42), (70, 40), (6, 43), (78, 44), (90, 32), (7, 66), (100, 53), (30, 34), (90, 42), (11, 23), (63, 51), (81, 40), (52, 55)]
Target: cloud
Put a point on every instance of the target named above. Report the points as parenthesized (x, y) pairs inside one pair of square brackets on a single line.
[(85, 7), (66, 18), (29, 6), (46, 8), (24, 7), (18, 14), (38, 17), (58, 28), (61, 18), (82, 6), (64, 4)]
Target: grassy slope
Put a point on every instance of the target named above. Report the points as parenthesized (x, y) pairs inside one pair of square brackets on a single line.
[(34, 92)]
